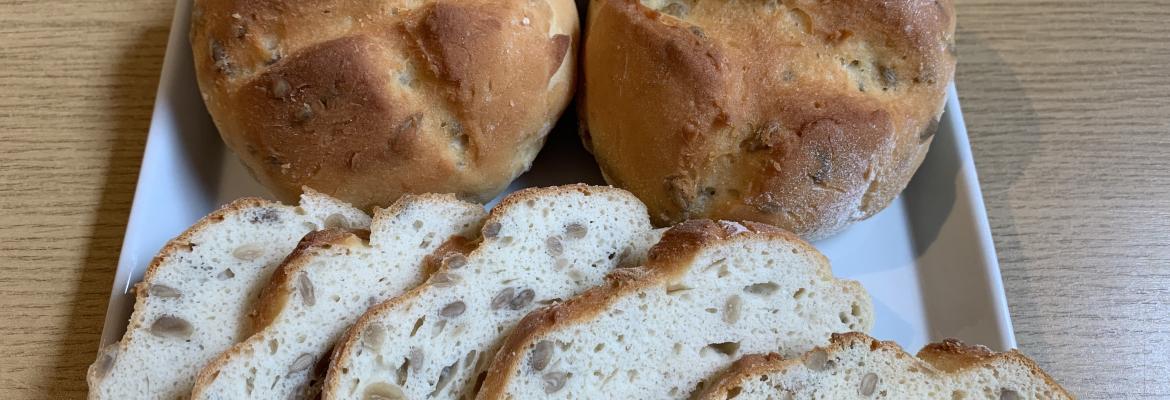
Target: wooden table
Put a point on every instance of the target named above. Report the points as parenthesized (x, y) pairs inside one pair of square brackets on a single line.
[(1067, 102)]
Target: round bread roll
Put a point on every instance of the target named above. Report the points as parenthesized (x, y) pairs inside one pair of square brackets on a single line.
[(808, 115), (366, 101)]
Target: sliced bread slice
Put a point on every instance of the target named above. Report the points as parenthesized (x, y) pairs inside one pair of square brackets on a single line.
[(193, 301), (708, 292), (331, 278), (856, 366), (540, 245)]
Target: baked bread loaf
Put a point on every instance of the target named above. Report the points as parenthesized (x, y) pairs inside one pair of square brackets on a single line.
[(708, 293), (539, 246), (331, 278), (856, 366), (366, 101), (193, 301), (808, 115)]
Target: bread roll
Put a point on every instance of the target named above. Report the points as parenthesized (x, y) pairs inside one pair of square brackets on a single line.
[(366, 101), (808, 115)]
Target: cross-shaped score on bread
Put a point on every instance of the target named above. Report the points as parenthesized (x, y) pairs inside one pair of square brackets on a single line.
[(372, 100)]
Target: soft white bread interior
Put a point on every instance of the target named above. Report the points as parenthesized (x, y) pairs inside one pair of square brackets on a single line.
[(539, 246), (331, 278), (709, 292), (193, 301)]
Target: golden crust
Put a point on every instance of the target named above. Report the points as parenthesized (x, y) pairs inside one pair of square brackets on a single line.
[(367, 102), (667, 261), (806, 115), (948, 356)]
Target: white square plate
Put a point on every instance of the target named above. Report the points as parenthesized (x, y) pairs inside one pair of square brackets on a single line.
[(927, 260)]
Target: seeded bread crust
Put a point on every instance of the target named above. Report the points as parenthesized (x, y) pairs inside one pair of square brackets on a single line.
[(947, 358), (355, 341), (668, 261), (290, 298), (273, 298), (952, 355), (178, 383), (807, 115), (366, 101)]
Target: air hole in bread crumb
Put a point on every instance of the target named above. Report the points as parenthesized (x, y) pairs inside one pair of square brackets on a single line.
[(418, 323), (728, 349), (762, 289), (799, 293), (599, 347), (403, 372), (715, 264), (676, 289), (479, 381)]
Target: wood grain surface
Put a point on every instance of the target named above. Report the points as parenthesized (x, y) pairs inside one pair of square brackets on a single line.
[(1067, 103)]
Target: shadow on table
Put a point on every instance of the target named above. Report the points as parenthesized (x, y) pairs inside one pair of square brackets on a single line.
[(131, 100), (934, 205)]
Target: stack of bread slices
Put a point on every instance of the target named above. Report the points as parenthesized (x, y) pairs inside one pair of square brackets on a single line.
[(560, 292)]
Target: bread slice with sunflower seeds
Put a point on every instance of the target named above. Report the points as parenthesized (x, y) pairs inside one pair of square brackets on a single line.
[(856, 366), (539, 246), (194, 299), (708, 292), (331, 278)]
